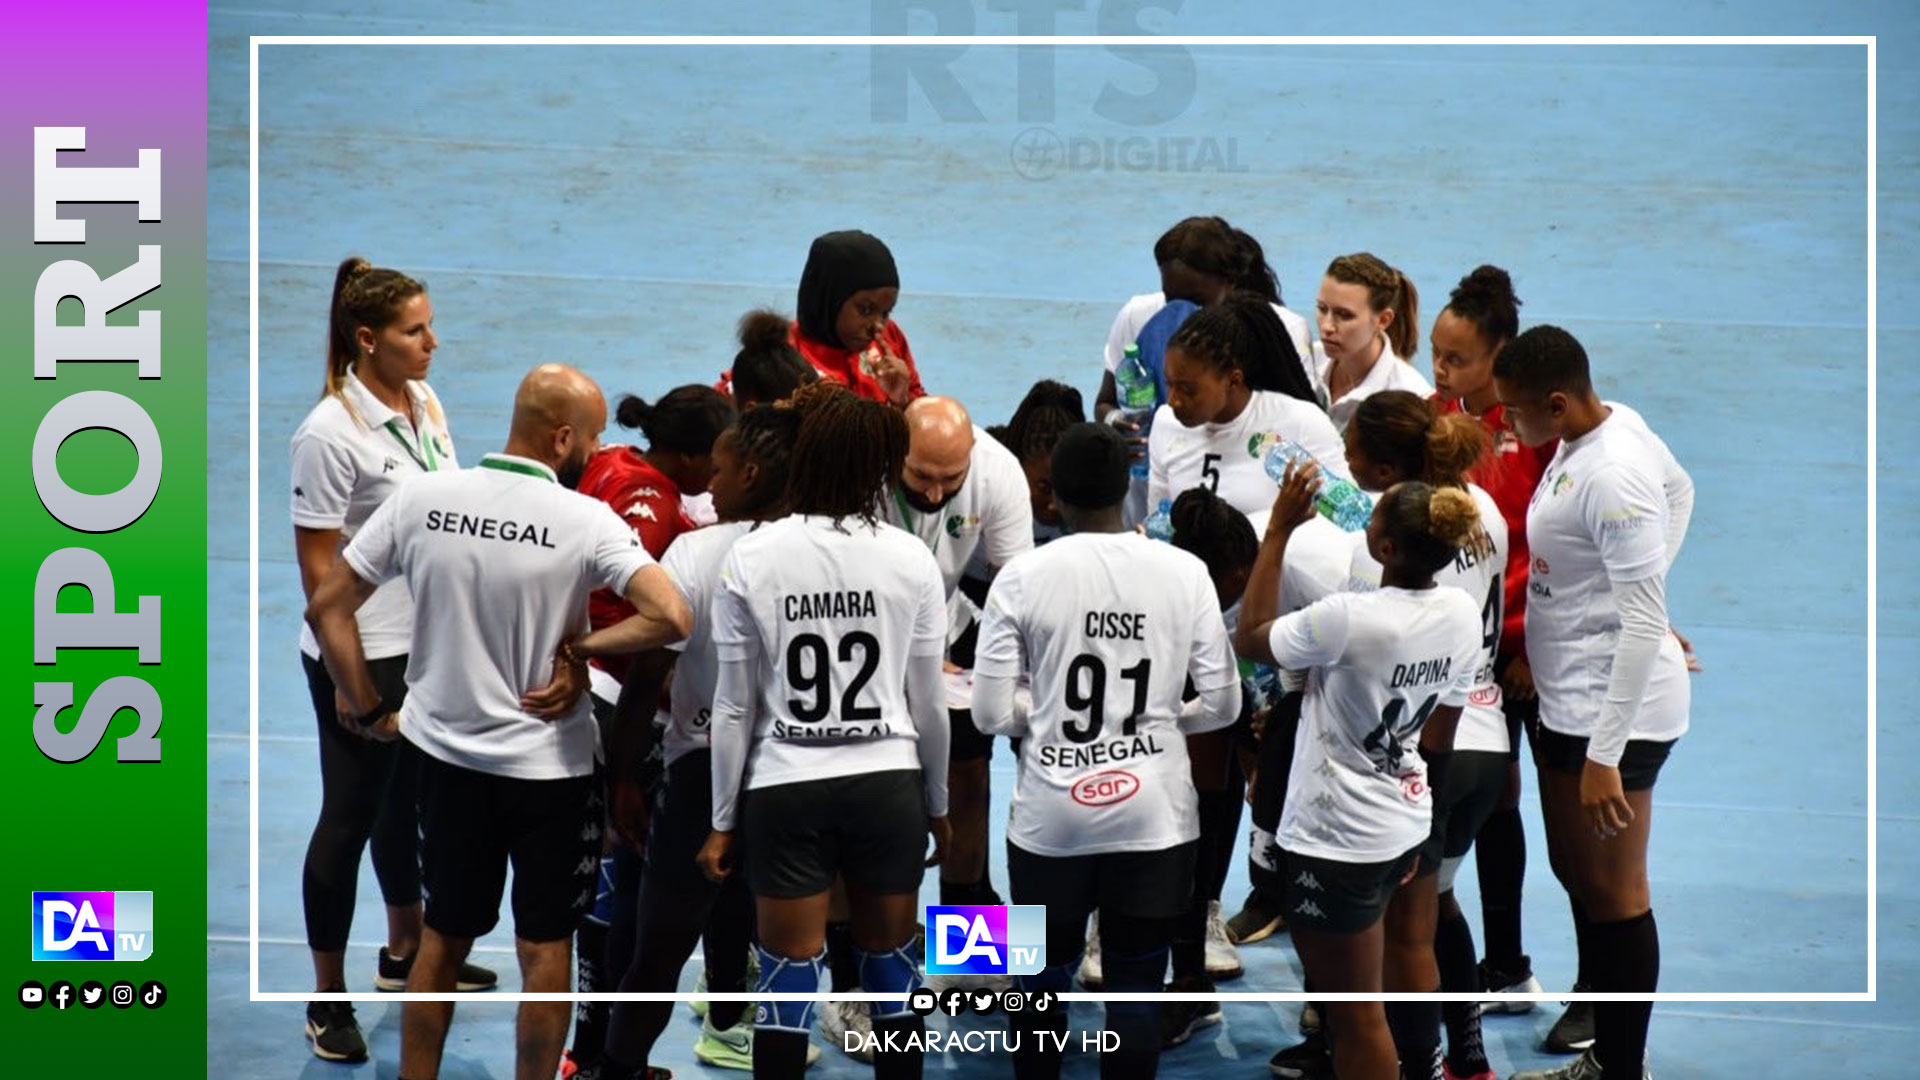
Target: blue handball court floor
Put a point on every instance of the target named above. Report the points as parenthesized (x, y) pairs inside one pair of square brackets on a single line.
[(1696, 214)]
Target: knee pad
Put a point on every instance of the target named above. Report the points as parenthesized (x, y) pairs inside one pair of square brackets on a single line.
[(781, 975), (893, 973), (1056, 980)]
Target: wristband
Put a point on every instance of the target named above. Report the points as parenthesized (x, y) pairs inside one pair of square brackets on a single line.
[(382, 709), (570, 654)]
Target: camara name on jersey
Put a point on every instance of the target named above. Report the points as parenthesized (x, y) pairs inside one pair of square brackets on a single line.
[(843, 604)]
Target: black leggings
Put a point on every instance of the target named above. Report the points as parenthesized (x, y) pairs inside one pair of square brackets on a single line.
[(367, 791), (1213, 858), (677, 907)]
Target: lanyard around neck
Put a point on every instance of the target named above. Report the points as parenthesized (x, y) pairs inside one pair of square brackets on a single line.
[(906, 517), (514, 466)]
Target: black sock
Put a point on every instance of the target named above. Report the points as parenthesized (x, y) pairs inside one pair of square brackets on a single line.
[(726, 1014), (1628, 956), (898, 1064), (1416, 1037), (1137, 1023), (978, 893), (1189, 946), (841, 958), (1500, 858), (1453, 949), (779, 1055), (613, 1069), (590, 1017), (1583, 942)]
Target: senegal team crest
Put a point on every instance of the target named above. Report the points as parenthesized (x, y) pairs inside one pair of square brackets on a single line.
[(1257, 444), (1564, 484), (958, 523)]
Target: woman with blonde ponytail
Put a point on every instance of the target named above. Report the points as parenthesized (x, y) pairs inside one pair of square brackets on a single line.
[(1368, 318), (377, 424), (1393, 669)]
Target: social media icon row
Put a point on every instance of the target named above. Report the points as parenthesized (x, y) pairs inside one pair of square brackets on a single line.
[(92, 995), (926, 1001)]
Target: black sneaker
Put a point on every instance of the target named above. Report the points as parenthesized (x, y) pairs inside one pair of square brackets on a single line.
[(1311, 1059), (391, 975), (334, 1032), (1258, 919), (1180, 1019), (1573, 1032), (1495, 980)]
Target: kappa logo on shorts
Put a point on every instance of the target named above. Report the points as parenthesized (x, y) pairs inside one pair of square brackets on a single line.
[(1309, 909), (1106, 788), (1306, 880)]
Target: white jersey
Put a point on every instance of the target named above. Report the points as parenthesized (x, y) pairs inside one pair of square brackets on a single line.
[(1316, 564), (1381, 662), (1483, 723), (694, 561), (833, 611), (993, 510), (1389, 372), (500, 559), (1109, 626), (349, 455), (1135, 313), (1225, 458), (1601, 515)]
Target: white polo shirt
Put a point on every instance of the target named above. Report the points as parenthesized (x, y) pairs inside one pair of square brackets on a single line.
[(1225, 458), (1137, 310), (694, 561), (349, 455), (500, 559), (1483, 723), (993, 510), (1109, 626), (1389, 372), (833, 610), (1600, 515), (1381, 662)]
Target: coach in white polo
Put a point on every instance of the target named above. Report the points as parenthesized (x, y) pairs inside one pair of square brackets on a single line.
[(960, 491), (500, 559)]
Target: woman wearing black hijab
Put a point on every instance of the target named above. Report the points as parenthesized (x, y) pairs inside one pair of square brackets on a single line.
[(847, 294)]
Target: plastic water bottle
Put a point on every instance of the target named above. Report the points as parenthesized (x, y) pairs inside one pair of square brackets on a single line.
[(1139, 395), (1160, 522), (1340, 500)]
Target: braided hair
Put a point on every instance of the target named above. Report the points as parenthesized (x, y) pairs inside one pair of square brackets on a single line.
[(846, 454), (1242, 333)]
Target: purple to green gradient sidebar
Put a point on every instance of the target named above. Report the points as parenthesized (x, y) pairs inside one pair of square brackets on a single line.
[(134, 76)]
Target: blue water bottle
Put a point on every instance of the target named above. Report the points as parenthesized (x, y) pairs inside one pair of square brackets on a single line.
[(1340, 500), (1159, 524), (1139, 395)]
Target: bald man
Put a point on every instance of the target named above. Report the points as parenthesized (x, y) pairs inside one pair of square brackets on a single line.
[(500, 559), (965, 496)]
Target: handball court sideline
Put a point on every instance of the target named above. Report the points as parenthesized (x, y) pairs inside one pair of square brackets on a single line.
[(1696, 215)]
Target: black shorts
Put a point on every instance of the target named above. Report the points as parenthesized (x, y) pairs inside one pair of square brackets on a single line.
[(474, 824), (1341, 897), (1475, 781), (870, 828), (1519, 714), (1639, 764), (389, 675), (1146, 884), (682, 818)]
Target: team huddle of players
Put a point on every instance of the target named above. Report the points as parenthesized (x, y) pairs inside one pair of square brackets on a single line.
[(1272, 568)]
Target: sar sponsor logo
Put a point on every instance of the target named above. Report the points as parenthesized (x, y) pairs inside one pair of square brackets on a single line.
[(1486, 695), (1106, 788)]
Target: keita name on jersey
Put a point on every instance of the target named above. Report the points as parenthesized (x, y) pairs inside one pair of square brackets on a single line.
[(1117, 625), (486, 528), (1426, 671), (1125, 748), (845, 604)]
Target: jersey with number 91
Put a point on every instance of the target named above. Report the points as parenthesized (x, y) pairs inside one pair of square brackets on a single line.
[(833, 610), (1110, 626)]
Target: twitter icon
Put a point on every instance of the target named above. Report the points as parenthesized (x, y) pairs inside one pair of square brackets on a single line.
[(93, 995)]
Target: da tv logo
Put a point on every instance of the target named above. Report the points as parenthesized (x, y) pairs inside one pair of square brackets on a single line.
[(92, 925), (974, 939)]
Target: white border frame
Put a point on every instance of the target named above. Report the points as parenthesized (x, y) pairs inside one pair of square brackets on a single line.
[(253, 477)]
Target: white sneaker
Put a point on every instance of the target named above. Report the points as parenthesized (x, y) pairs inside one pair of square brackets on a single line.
[(699, 1005), (1223, 960), (1091, 976), (940, 984), (1584, 1067), (839, 1017)]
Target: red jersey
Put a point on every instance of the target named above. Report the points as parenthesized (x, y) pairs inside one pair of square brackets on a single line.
[(1509, 472), (650, 503), (844, 367)]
